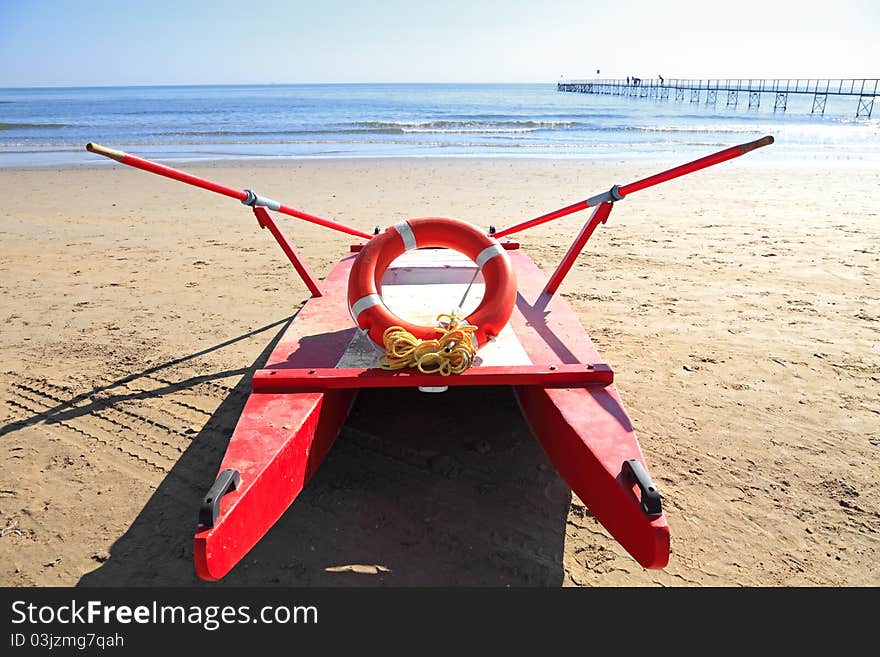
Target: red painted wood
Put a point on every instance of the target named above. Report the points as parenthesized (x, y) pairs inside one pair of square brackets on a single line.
[(280, 439), (277, 445), (587, 437), (265, 220), (585, 432), (599, 216), (293, 380), (322, 329)]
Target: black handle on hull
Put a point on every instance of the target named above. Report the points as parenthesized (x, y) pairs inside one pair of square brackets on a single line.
[(210, 510), (651, 500)]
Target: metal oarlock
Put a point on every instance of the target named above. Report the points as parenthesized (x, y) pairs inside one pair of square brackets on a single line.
[(610, 196), (255, 200)]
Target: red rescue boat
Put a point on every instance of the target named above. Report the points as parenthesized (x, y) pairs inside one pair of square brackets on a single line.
[(530, 339)]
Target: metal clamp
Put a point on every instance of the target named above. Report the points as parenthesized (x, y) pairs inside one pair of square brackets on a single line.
[(254, 200), (610, 196)]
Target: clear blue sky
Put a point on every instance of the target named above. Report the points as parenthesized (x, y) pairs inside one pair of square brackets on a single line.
[(127, 42)]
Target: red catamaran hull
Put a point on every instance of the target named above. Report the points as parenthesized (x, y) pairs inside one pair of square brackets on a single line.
[(286, 429)]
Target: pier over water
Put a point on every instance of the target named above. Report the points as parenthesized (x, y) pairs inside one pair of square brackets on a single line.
[(865, 90)]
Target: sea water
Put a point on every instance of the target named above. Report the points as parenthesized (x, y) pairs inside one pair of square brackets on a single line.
[(50, 126)]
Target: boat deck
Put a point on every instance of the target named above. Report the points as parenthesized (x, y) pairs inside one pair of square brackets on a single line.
[(418, 286)]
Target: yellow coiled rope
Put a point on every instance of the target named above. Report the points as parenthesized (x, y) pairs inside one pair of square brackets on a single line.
[(452, 353)]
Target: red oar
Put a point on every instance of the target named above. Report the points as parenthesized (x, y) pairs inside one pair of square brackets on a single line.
[(246, 196), (618, 192)]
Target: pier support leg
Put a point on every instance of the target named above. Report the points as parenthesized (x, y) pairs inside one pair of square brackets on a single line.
[(754, 99), (866, 106), (781, 101)]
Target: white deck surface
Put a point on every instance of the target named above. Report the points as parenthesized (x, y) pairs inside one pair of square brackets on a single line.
[(420, 285)]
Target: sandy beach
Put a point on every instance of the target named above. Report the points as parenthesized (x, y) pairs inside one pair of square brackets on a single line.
[(739, 307)]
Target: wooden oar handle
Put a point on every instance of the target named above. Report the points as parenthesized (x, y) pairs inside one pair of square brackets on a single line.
[(752, 145), (113, 154)]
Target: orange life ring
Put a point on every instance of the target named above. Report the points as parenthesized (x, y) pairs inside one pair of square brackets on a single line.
[(365, 280)]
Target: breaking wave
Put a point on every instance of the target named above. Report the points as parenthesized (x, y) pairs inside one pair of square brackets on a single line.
[(466, 126)]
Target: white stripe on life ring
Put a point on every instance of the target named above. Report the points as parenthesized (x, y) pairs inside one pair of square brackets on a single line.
[(407, 235), (363, 303), (488, 253)]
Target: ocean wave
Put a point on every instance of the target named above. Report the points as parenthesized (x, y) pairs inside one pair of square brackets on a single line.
[(469, 125), (697, 130), (238, 133), (388, 128), (462, 131), (27, 126), (330, 130), (549, 118)]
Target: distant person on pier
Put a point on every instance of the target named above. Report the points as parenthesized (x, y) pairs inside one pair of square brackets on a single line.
[(661, 79), (627, 81)]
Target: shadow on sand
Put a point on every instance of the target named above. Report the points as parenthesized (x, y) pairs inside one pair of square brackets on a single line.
[(419, 489)]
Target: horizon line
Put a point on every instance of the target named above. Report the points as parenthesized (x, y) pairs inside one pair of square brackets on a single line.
[(251, 84), (341, 83)]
